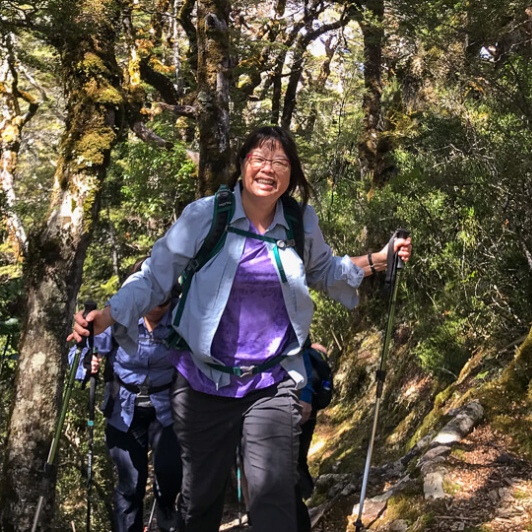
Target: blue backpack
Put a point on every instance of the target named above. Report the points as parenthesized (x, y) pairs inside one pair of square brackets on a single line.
[(321, 379)]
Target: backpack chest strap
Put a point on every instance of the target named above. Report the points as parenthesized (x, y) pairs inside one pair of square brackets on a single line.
[(245, 371)]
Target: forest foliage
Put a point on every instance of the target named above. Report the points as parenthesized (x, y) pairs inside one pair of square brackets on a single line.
[(452, 153)]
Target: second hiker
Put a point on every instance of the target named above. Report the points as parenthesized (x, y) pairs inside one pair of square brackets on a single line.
[(139, 418)]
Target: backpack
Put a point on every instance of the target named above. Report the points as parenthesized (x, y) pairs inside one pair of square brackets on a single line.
[(322, 379), (224, 206)]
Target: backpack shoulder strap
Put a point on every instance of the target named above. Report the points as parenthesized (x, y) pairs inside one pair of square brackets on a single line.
[(108, 369), (294, 217), (224, 206)]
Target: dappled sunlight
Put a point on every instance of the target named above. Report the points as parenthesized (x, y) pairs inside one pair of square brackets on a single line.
[(316, 447), (412, 390)]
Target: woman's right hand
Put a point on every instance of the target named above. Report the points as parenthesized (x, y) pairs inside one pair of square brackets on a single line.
[(100, 318), (95, 364)]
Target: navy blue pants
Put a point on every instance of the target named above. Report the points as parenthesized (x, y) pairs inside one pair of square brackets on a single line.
[(129, 452)]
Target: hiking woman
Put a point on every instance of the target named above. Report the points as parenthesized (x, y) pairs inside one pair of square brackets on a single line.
[(246, 317), (139, 417)]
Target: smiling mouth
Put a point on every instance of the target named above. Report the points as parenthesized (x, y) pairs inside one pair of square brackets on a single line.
[(269, 182)]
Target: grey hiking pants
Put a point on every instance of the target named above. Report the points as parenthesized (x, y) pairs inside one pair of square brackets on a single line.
[(209, 428)]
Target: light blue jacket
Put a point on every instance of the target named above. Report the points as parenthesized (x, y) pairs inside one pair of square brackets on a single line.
[(211, 286)]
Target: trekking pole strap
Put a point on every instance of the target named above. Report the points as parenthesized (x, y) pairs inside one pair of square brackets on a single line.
[(89, 343), (393, 261)]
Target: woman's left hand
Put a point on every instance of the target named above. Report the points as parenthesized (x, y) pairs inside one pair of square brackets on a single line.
[(306, 410), (403, 247)]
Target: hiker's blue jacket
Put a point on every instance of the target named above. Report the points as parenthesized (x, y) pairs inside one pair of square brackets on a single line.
[(149, 366), (209, 292)]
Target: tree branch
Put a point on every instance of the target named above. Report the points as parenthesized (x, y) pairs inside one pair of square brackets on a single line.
[(190, 111), (147, 135), (158, 81)]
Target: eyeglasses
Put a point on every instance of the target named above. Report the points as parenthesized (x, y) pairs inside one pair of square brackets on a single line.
[(278, 165)]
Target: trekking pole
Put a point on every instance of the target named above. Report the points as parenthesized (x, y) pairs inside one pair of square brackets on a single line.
[(393, 271), (239, 484), (92, 377), (49, 465), (147, 528)]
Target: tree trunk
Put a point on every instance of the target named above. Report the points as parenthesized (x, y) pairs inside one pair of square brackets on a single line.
[(11, 124), (213, 94), (318, 86), (374, 143), (85, 39)]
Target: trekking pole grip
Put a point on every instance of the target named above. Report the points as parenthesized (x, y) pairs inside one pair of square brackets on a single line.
[(89, 306), (401, 233)]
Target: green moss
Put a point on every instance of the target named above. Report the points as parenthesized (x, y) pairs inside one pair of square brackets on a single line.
[(92, 63), (508, 403), (106, 94), (451, 488), (10, 134), (430, 421), (520, 494), (91, 148), (443, 396), (458, 453), (410, 506)]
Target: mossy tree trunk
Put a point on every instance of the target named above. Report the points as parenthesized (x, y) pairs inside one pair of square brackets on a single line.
[(84, 34), (12, 121), (213, 94)]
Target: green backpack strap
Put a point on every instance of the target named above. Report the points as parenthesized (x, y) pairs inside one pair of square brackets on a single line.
[(224, 207), (294, 217)]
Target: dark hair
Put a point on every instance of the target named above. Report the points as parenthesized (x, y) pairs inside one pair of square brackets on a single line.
[(138, 265), (275, 134)]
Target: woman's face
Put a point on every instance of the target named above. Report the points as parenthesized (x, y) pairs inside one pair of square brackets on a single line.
[(266, 171), (156, 314)]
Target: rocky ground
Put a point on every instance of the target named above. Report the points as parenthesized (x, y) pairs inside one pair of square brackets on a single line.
[(486, 488)]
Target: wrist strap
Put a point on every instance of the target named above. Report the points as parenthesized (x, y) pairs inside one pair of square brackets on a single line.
[(370, 262)]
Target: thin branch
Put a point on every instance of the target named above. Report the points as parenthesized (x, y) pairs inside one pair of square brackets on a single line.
[(147, 135), (190, 111)]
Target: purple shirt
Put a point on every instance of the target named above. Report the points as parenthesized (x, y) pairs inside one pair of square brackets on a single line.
[(254, 327)]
